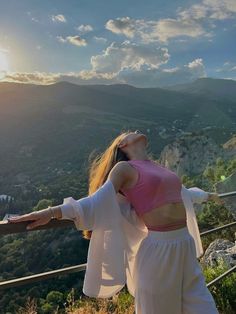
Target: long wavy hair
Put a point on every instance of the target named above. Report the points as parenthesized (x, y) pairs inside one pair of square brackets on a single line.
[(102, 165)]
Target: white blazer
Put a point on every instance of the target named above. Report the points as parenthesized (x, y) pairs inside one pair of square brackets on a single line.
[(117, 234)]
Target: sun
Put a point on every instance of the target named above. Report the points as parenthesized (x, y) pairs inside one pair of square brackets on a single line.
[(4, 65)]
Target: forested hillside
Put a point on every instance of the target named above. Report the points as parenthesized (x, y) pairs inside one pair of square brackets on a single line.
[(49, 134)]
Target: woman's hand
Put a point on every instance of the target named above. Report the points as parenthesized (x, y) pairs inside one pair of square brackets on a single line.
[(40, 217), (215, 197)]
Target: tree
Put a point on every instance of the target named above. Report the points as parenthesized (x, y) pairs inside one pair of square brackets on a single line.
[(44, 203)]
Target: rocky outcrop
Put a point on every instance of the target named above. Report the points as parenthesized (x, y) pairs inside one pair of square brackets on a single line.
[(190, 154), (219, 250), (230, 147)]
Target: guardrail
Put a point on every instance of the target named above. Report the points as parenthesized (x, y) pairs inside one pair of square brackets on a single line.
[(8, 228)]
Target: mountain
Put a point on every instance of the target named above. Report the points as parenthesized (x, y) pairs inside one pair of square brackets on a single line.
[(212, 88), (48, 131)]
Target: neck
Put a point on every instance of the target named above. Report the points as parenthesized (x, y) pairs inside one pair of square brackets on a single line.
[(140, 157)]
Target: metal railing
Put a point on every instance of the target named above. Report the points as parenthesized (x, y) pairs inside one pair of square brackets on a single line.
[(8, 228)]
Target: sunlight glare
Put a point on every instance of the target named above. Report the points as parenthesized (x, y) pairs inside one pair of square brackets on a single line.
[(4, 66)]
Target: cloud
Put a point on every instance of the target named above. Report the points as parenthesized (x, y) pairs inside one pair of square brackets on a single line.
[(84, 28), (100, 39), (210, 9), (129, 63), (143, 78), (194, 22), (46, 78), (129, 55), (164, 77), (58, 18), (165, 29), (74, 40), (32, 77), (154, 31), (226, 68), (123, 25), (34, 19)]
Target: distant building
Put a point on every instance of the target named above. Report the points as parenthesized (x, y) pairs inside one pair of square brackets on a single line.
[(4, 197)]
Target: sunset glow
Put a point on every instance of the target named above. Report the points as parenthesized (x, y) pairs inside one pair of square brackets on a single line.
[(4, 65), (159, 44)]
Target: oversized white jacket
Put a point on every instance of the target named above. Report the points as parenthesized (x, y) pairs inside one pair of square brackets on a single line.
[(117, 234)]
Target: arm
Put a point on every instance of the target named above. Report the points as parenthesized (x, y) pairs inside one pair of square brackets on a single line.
[(81, 211), (200, 196), (118, 175)]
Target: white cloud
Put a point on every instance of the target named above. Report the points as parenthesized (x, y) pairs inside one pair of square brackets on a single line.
[(100, 39), (32, 77), (153, 31), (84, 28), (165, 77), (196, 11), (210, 9), (226, 67), (194, 21), (129, 55), (170, 28), (145, 75), (74, 40), (195, 63), (58, 18), (46, 78), (34, 19), (123, 25)]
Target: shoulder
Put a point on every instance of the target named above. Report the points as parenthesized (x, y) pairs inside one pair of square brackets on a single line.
[(122, 166), (120, 174), (123, 169)]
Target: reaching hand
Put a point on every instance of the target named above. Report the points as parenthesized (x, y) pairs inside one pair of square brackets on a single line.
[(215, 197), (40, 217)]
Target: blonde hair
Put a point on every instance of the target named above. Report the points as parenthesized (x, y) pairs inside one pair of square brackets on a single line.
[(101, 166)]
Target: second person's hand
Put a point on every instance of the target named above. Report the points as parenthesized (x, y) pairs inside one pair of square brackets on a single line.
[(40, 217)]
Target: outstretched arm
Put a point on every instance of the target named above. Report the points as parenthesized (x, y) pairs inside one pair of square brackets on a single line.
[(81, 211), (200, 196), (118, 175)]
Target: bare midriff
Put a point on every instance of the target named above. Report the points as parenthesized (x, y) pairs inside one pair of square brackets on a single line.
[(167, 217)]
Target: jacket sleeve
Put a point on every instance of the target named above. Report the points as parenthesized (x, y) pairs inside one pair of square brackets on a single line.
[(80, 211), (94, 210), (198, 195)]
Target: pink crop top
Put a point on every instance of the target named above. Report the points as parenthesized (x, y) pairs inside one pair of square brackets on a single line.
[(156, 186)]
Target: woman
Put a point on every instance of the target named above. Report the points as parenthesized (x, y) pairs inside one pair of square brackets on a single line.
[(167, 277)]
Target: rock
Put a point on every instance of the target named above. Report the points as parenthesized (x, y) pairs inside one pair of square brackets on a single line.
[(230, 147), (218, 250), (190, 154)]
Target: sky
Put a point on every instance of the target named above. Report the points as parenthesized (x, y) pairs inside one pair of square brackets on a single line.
[(152, 43)]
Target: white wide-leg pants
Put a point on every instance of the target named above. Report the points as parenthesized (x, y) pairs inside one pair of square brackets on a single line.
[(168, 277)]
